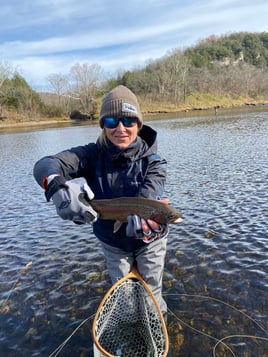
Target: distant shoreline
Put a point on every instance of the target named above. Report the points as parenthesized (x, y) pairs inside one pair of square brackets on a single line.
[(149, 115)]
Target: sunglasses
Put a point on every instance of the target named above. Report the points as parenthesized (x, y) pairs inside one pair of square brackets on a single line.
[(111, 122)]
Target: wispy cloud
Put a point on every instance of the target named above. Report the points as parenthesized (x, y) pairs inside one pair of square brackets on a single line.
[(48, 36)]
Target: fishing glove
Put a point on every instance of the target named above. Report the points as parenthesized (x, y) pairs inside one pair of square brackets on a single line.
[(71, 200), (147, 230)]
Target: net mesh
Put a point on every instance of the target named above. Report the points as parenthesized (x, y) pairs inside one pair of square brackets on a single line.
[(129, 324)]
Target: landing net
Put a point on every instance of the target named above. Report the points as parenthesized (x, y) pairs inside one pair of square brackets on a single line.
[(129, 322)]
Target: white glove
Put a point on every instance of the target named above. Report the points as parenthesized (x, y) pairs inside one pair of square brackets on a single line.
[(73, 203)]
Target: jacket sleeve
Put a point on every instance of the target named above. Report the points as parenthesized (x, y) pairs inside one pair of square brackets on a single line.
[(69, 163), (155, 178)]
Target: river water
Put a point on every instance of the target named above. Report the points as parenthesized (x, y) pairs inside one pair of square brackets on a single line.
[(53, 274)]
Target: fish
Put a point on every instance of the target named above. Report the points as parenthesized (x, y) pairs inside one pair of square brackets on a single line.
[(119, 209)]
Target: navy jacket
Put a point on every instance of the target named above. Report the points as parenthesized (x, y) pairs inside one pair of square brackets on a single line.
[(112, 172)]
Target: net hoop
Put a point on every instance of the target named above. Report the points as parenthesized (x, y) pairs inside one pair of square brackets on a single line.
[(133, 274)]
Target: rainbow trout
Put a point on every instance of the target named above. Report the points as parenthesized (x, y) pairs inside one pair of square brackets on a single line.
[(119, 208)]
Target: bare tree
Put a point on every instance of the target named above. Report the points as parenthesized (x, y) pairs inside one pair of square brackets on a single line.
[(5, 72), (84, 81), (59, 84), (177, 65)]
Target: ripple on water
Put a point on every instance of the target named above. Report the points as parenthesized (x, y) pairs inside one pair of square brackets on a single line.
[(53, 274)]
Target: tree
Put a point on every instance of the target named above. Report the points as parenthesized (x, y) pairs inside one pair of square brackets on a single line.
[(5, 72), (178, 67), (59, 84), (84, 82)]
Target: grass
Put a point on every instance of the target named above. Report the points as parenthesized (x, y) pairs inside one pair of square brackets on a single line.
[(200, 101), (195, 101)]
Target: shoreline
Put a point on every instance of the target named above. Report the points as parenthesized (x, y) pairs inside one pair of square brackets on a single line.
[(148, 115)]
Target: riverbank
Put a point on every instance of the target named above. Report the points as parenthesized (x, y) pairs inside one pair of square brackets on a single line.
[(204, 104), (13, 120)]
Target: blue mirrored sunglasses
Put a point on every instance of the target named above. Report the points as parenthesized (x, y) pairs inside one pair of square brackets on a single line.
[(111, 122)]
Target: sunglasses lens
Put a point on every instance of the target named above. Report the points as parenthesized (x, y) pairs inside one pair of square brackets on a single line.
[(111, 122), (128, 121)]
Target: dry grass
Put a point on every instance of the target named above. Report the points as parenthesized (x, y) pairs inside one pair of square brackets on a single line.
[(199, 101), (195, 101)]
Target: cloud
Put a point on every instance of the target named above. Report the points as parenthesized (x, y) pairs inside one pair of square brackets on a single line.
[(49, 36)]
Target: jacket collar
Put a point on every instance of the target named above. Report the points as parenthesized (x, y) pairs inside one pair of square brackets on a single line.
[(148, 135), (146, 140)]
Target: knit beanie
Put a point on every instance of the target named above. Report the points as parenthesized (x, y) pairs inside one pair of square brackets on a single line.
[(120, 102)]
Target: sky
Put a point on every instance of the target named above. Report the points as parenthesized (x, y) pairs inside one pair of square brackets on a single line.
[(39, 38)]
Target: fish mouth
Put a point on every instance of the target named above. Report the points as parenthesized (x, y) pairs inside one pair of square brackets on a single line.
[(178, 220)]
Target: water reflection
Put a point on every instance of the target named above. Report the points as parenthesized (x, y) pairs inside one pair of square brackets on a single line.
[(53, 273)]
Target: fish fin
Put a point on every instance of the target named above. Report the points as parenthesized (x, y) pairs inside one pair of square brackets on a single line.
[(117, 226), (165, 201)]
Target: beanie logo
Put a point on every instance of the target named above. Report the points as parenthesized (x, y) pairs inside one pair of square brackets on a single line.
[(127, 107)]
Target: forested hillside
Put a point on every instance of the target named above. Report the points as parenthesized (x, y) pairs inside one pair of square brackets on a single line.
[(218, 71), (232, 66), (250, 48)]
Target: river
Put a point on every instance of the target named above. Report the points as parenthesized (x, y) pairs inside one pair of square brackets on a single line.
[(53, 274)]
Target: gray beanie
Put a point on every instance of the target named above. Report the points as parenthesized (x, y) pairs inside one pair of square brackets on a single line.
[(120, 102)]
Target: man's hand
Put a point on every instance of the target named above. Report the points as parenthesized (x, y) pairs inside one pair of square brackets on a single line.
[(147, 230), (73, 203)]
